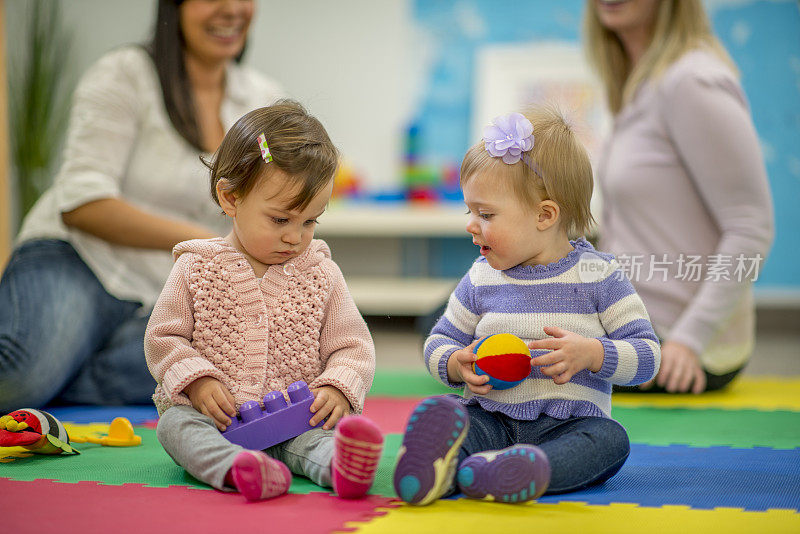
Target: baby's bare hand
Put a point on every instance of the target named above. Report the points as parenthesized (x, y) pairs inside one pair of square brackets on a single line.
[(329, 402), (464, 371), (210, 397), (571, 354)]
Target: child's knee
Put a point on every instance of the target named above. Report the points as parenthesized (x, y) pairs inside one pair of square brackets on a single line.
[(173, 422), (165, 426), (615, 439)]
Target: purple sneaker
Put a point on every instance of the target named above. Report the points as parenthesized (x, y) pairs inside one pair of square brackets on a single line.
[(427, 458), (515, 474)]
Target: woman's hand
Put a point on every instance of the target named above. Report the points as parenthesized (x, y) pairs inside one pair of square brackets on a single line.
[(210, 397), (459, 369), (571, 354), (328, 402), (680, 368)]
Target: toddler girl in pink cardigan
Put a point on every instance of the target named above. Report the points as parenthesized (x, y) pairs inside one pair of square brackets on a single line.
[(259, 309)]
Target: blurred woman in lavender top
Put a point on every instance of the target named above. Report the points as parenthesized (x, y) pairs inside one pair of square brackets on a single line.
[(686, 204)]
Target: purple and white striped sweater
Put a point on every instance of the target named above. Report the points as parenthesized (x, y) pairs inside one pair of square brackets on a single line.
[(572, 293)]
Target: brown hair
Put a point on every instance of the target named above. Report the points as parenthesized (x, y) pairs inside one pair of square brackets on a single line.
[(299, 145), (566, 173), (680, 26), (167, 48)]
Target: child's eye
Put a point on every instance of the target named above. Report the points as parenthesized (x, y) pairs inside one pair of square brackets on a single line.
[(311, 222), (279, 220), (486, 216)]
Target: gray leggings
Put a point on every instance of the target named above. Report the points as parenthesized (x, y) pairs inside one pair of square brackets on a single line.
[(194, 443)]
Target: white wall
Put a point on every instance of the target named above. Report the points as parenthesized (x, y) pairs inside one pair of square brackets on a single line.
[(348, 61)]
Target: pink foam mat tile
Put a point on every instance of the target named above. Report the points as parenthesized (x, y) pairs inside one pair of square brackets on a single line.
[(390, 414), (134, 508)]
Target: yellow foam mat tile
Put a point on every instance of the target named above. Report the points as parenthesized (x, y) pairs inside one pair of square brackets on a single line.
[(758, 393), (464, 515)]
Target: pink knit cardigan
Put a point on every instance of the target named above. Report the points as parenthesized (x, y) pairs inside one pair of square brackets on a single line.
[(256, 335)]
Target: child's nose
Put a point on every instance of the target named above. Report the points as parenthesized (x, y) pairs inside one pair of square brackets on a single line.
[(472, 226), (292, 237)]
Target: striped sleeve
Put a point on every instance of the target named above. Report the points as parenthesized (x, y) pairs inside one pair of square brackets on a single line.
[(454, 330), (632, 353)]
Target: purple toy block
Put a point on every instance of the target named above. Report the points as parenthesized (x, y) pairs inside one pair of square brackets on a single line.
[(258, 429)]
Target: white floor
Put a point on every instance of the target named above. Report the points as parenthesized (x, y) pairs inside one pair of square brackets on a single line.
[(777, 352)]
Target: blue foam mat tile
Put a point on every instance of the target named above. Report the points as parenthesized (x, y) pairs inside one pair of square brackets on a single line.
[(103, 414), (754, 479)]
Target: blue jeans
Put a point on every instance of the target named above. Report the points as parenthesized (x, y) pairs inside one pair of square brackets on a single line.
[(63, 338), (583, 451)]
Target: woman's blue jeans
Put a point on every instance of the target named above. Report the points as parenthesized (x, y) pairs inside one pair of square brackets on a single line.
[(63, 338), (583, 451)]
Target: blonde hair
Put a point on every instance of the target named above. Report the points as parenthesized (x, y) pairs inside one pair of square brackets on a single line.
[(566, 173), (298, 143), (680, 26)]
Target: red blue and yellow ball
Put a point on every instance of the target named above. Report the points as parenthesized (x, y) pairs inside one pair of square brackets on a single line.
[(505, 358)]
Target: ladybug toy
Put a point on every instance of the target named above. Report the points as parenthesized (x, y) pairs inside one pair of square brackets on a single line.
[(37, 431)]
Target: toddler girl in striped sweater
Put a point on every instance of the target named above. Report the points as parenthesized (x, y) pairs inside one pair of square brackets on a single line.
[(527, 186), (260, 309)]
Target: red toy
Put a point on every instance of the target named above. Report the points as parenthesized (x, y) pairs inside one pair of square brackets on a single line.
[(37, 431)]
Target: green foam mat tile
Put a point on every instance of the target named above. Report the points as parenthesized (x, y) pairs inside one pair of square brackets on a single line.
[(407, 384), (150, 465), (147, 463), (383, 484), (710, 427)]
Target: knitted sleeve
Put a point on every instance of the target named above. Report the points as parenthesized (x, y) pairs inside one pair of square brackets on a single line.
[(453, 331), (172, 360), (632, 354), (346, 346)]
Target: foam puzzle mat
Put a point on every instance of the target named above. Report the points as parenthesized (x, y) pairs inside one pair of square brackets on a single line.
[(720, 462)]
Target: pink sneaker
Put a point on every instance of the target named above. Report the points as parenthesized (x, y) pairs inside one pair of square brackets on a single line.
[(257, 476), (357, 447)]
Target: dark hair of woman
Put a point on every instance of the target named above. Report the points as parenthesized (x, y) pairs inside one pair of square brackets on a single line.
[(167, 51)]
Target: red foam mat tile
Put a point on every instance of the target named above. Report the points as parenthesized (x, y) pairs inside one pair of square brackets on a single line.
[(49, 506), (390, 414)]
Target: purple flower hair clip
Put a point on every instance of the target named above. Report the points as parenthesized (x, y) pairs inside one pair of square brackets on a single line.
[(508, 137)]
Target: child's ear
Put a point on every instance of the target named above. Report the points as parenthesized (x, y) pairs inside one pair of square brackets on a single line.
[(547, 214), (227, 198)]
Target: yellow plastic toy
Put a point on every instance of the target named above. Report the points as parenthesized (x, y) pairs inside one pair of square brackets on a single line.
[(120, 434)]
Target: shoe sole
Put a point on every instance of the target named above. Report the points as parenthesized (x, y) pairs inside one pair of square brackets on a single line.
[(517, 474), (435, 431)]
